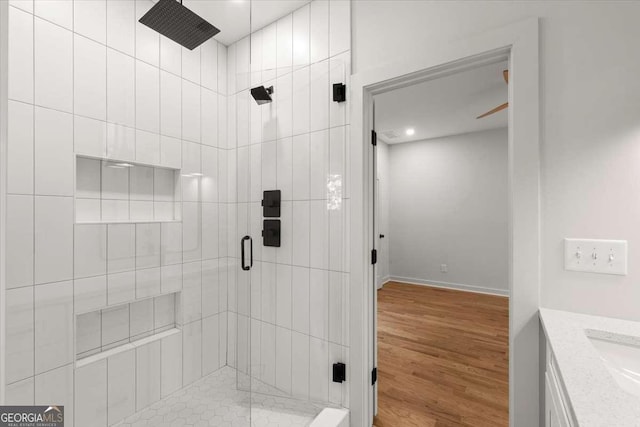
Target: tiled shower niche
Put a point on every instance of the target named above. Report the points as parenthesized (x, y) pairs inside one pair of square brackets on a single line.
[(102, 330), (119, 191)]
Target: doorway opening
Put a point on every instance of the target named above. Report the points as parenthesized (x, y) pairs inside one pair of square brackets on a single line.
[(441, 234)]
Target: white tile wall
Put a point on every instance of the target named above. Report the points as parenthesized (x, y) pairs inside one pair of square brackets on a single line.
[(19, 334), (90, 19), (121, 386), (147, 374), (147, 97), (90, 250), (53, 152), (301, 36), (20, 240), (88, 333), (91, 394), (148, 282), (147, 40), (89, 78), (56, 386), (283, 359), (53, 63), (20, 393), (92, 59), (120, 142), (20, 59), (89, 294), (300, 365), (57, 11), (170, 56), (88, 176), (126, 111), (210, 344), (170, 104), (26, 5), (209, 65), (171, 364), (121, 287), (114, 326), (190, 111), (121, 26), (120, 87), (53, 325), (192, 352), (20, 148), (319, 93), (340, 28), (319, 30), (53, 239), (284, 45), (147, 147), (89, 136), (191, 291)]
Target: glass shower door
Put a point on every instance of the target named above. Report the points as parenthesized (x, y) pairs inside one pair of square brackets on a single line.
[(296, 295)]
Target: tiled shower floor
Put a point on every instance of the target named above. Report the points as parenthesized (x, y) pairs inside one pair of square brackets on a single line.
[(216, 401)]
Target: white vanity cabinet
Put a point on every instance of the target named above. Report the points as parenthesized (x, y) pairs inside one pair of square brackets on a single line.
[(556, 404)]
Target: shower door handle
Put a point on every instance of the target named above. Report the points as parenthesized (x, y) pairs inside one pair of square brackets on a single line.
[(242, 241)]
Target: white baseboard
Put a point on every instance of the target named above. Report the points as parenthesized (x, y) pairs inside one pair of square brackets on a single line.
[(383, 281), (448, 285)]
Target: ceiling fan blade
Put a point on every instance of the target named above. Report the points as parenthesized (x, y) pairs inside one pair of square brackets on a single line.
[(495, 110), (505, 75)]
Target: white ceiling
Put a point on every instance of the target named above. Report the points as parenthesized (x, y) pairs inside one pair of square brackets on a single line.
[(233, 19), (444, 106)]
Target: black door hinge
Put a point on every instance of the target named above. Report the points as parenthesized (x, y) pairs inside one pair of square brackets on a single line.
[(339, 372), (374, 256), (374, 376), (374, 138)]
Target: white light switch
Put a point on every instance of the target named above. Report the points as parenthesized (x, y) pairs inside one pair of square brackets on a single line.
[(596, 256)]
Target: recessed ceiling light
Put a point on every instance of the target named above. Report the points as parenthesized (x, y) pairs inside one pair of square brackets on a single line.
[(410, 131)]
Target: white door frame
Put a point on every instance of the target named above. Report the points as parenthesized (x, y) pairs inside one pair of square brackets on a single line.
[(520, 42)]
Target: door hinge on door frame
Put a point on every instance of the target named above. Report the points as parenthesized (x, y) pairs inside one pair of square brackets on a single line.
[(374, 256), (374, 138), (374, 376)]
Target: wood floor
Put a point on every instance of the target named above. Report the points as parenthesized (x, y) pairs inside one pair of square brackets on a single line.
[(443, 358)]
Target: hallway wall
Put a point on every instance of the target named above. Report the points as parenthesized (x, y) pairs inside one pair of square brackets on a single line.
[(586, 144), (449, 205)]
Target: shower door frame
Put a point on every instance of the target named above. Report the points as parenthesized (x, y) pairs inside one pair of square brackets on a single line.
[(4, 103), (520, 42)]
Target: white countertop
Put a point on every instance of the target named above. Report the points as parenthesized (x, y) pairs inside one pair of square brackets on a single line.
[(597, 400)]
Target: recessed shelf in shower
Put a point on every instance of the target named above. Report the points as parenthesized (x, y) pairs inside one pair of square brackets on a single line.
[(112, 191)]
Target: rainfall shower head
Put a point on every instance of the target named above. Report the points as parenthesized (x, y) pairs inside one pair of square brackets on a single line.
[(175, 21), (261, 94)]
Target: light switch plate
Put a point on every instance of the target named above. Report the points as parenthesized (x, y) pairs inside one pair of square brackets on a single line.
[(596, 256)]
